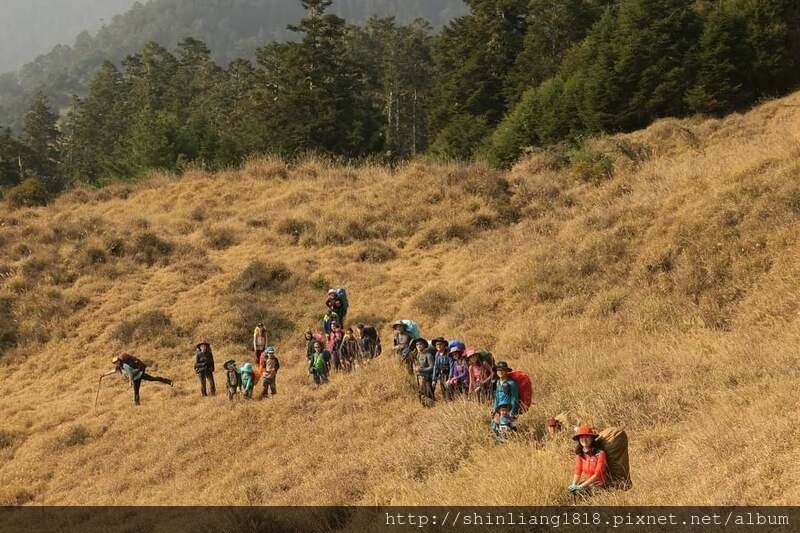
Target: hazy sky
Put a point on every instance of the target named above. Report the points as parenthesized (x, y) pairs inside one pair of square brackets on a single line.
[(29, 28)]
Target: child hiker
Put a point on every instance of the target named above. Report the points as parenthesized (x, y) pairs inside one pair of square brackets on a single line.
[(232, 379), (269, 366)]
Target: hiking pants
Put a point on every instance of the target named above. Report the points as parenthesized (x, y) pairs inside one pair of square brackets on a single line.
[(146, 377), (441, 383), (207, 375), (259, 352), (426, 387), (320, 376), (269, 386)]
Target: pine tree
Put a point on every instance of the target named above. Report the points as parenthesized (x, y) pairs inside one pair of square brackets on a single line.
[(474, 56), (41, 135), (724, 81)]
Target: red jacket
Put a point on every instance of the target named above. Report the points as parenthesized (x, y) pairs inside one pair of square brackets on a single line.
[(587, 465)]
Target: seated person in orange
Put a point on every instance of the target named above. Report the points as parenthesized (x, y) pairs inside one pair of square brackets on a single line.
[(590, 462)]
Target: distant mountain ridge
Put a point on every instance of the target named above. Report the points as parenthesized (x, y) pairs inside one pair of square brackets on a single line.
[(231, 29), (29, 28)]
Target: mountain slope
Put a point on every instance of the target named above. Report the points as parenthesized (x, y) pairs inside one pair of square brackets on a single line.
[(656, 293)]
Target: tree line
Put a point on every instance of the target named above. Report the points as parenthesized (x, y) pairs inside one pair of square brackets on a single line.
[(509, 75)]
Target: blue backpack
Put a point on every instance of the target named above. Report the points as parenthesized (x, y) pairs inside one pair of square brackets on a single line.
[(341, 293), (412, 328)]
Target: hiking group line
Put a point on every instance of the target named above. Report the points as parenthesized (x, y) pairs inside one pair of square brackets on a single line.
[(447, 368)]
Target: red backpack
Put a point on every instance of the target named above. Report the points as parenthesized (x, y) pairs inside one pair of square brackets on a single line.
[(525, 386)]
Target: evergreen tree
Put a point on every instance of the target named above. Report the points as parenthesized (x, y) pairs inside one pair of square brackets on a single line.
[(474, 56), (13, 159), (317, 97), (724, 81), (41, 136), (96, 128)]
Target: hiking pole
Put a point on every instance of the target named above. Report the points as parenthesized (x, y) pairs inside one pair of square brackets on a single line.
[(97, 396)]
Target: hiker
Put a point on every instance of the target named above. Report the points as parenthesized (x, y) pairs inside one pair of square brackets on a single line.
[(370, 341), (135, 370), (310, 340), (330, 321), (402, 340), (248, 380), (350, 350), (424, 368), (442, 363), (319, 364), (506, 391), (232, 379), (480, 377), (458, 380), (269, 372), (335, 348), (337, 303), (502, 424), (204, 367), (590, 462), (259, 340)]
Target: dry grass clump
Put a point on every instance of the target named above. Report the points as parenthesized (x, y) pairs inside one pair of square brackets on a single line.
[(655, 292), (220, 238), (150, 249)]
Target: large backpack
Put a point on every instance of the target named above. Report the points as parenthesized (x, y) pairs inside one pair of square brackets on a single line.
[(525, 386), (412, 328), (341, 293), (614, 441), (234, 379), (485, 356)]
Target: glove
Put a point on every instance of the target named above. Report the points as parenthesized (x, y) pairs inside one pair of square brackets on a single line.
[(573, 488)]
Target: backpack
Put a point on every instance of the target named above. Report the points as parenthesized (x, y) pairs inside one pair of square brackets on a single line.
[(614, 441), (234, 379), (341, 293), (412, 328), (485, 356), (525, 386)]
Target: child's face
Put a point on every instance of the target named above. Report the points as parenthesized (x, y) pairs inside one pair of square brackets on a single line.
[(317, 346), (504, 411)]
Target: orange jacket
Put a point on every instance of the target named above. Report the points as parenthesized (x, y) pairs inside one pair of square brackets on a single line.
[(587, 465)]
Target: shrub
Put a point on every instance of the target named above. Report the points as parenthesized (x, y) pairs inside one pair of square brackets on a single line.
[(148, 249), (375, 252), (591, 167), (220, 238), (30, 193), (7, 439), (95, 256), (294, 227), (259, 276)]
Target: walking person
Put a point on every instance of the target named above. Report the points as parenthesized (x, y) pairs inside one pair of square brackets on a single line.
[(204, 368), (259, 341), (135, 370), (269, 374), (319, 364)]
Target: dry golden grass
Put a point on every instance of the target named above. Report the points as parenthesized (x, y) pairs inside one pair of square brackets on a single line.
[(660, 295)]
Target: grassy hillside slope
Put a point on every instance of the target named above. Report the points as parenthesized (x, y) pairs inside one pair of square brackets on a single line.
[(648, 280)]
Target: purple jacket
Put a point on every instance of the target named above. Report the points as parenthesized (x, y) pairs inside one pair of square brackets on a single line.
[(459, 371)]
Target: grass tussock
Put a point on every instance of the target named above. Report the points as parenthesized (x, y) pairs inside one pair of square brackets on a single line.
[(661, 264)]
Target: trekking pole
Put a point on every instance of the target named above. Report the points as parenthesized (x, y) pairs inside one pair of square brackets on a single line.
[(97, 396)]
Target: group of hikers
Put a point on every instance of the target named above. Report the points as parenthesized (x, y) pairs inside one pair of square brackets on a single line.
[(449, 369), (444, 368)]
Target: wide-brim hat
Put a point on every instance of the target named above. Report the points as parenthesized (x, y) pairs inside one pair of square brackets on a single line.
[(398, 323), (507, 406), (229, 362), (502, 365), (269, 349), (584, 431), (425, 341), (202, 342), (439, 339), (455, 349)]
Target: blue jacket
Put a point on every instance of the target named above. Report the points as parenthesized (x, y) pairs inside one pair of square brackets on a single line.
[(507, 393), (442, 361)]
